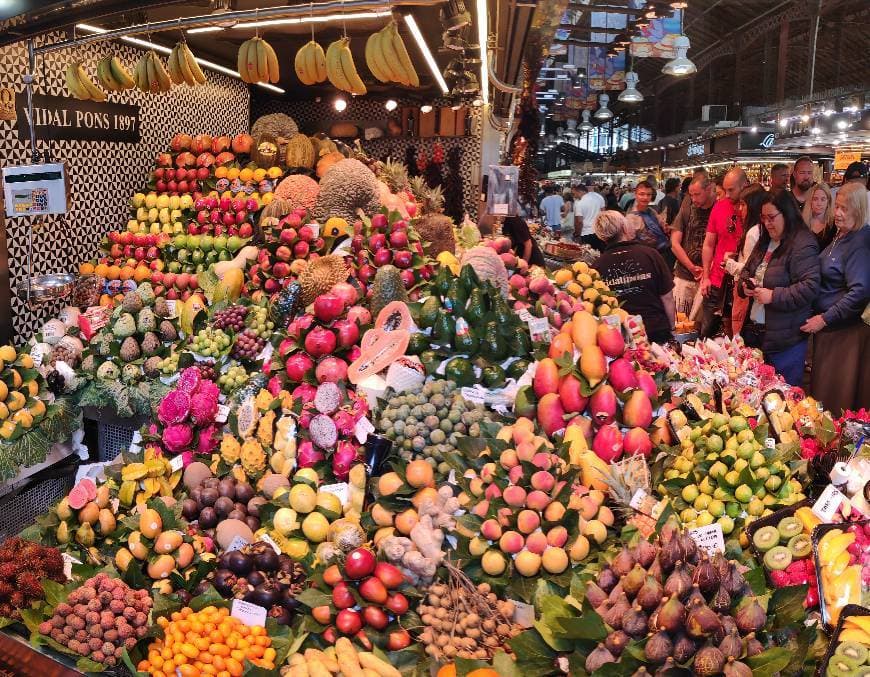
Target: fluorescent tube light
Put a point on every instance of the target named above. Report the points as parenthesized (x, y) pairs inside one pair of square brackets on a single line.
[(427, 54), (350, 16), (482, 26)]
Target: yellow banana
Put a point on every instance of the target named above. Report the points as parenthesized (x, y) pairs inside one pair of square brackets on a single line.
[(349, 68), (104, 76), (402, 53), (174, 67), (262, 61), (253, 73), (195, 70), (391, 58), (93, 91), (272, 69), (300, 65), (120, 73), (317, 59), (72, 83), (162, 75), (243, 61), (334, 71), (183, 66), (142, 71), (151, 70), (372, 57)]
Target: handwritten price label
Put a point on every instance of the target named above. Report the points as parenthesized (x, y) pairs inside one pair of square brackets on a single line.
[(363, 429), (340, 490), (223, 413), (266, 538), (247, 613), (638, 499), (539, 328), (237, 543), (136, 442), (827, 504), (176, 462), (710, 538)]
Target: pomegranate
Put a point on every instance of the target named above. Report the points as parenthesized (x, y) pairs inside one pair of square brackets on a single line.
[(328, 307), (320, 342), (298, 365), (360, 563), (331, 369)]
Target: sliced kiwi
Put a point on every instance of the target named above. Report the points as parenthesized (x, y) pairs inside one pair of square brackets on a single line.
[(862, 671), (800, 545), (834, 671), (765, 538), (777, 558), (789, 527), (855, 652), (842, 665)]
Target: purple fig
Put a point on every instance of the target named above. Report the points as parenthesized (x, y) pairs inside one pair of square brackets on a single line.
[(616, 642), (750, 617), (634, 580), (731, 646), (623, 562), (598, 657), (679, 582), (650, 594), (702, 621), (658, 648), (708, 661), (672, 615), (634, 622)]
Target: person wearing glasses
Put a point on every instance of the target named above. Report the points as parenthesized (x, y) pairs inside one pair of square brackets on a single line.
[(724, 230), (781, 277), (841, 351)]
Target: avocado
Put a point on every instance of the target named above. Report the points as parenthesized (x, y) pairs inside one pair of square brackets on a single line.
[(517, 368), (492, 345), (466, 344), (478, 306), (468, 278), (429, 312), (460, 371), (494, 376), (417, 343), (441, 281), (519, 342), (456, 298), (444, 328)]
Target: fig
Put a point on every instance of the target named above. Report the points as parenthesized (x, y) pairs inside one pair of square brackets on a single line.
[(708, 661), (707, 577), (595, 594), (689, 548), (750, 617), (598, 657), (658, 648), (634, 622), (644, 553), (733, 581), (613, 617), (672, 615), (665, 670), (694, 596), (616, 642), (634, 580), (734, 668), (684, 648), (728, 626), (607, 580), (752, 646), (721, 601), (670, 554), (731, 646), (655, 570), (650, 594), (623, 562), (702, 621), (616, 594), (679, 582)]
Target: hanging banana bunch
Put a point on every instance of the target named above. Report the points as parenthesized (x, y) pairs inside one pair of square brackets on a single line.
[(150, 74), (112, 74), (310, 63), (387, 57), (340, 68), (183, 67), (258, 62), (80, 85)]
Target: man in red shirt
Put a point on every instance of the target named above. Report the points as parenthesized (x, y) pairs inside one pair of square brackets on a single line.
[(724, 230)]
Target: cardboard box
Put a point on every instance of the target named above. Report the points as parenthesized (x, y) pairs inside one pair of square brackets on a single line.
[(446, 121), (426, 126)]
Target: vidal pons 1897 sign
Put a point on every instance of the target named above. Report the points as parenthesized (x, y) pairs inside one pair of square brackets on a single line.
[(60, 118)]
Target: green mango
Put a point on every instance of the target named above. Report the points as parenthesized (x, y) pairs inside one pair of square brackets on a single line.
[(492, 345), (494, 376), (460, 371), (429, 312), (477, 308), (466, 344), (517, 368), (526, 403), (417, 343)]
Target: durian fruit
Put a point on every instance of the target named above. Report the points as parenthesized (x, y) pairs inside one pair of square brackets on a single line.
[(436, 230), (320, 276), (387, 287)]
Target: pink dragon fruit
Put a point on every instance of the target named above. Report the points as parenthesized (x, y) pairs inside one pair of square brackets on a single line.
[(177, 438), (174, 407), (203, 408), (345, 422), (328, 398), (274, 386), (189, 380), (208, 388), (307, 455), (306, 416), (305, 392), (323, 431), (208, 440), (342, 460)]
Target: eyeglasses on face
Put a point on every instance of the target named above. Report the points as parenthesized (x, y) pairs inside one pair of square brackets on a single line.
[(764, 218)]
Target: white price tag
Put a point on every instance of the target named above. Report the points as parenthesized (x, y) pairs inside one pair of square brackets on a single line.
[(266, 353), (524, 614), (176, 462), (363, 429), (638, 499), (37, 354), (452, 540), (826, 506), (68, 561), (709, 538), (223, 413), (539, 328), (136, 442), (770, 443), (266, 538), (500, 209), (315, 228), (247, 613), (525, 315), (173, 310), (473, 395), (115, 503), (451, 478), (237, 544), (339, 489)]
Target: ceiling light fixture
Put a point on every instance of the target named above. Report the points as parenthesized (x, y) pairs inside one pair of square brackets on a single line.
[(339, 104), (753, 129), (842, 124), (631, 94), (427, 54), (783, 122), (391, 105), (681, 64), (586, 123), (482, 30), (603, 112), (166, 50), (205, 29), (426, 108)]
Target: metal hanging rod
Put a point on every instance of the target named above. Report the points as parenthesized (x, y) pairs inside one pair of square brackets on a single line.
[(257, 16)]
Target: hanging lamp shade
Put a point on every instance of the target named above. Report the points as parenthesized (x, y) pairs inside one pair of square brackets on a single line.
[(603, 112), (586, 123), (631, 94), (680, 65)]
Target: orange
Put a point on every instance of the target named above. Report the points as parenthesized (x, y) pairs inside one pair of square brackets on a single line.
[(233, 173), (141, 273), (483, 672), (221, 172), (275, 173), (126, 273), (101, 270), (113, 272), (259, 174), (246, 175), (86, 269), (267, 198), (448, 670)]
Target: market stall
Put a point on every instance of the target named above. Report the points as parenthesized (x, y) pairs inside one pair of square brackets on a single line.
[(295, 415)]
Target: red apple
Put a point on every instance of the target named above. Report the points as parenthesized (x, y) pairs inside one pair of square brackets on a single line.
[(377, 242), (375, 617), (399, 239), (348, 622), (402, 259), (287, 236), (306, 234)]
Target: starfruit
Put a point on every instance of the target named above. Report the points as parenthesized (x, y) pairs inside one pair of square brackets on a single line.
[(838, 566), (165, 488), (156, 467), (127, 492), (134, 471), (175, 478), (150, 486)]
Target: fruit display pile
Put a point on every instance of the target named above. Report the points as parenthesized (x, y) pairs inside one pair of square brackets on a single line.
[(369, 450)]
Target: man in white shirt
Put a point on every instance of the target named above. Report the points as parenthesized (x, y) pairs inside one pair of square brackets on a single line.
[(659, 195), (587, 205)]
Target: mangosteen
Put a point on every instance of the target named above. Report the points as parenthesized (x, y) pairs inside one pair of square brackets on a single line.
[(288, 598), (190, 509), (252, 522), (223, 506), (281, 614), (267, 560), (201, 587), (244, 492), (236, 515), (255, 504), (241, 507), (239, 563), (184, 596), (286, 563), (265, 595), (208, 518), (210, 483), (227, 487), (196, 495), (256, 577), (209, 496), (223, 581)]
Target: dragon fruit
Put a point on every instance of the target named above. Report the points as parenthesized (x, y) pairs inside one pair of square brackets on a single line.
[(209, 389), (342, 460), (274, 386), (174, 407), (208, 440), (307, 455), (345, 421), (328, 398), (305, 393), (203, 408), (323, 431), (177, 438), (189, 380)]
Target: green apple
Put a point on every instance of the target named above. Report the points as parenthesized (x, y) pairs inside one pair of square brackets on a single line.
[(179, 241), (224, 255), (174, 267), (220, 243), (198, 256), (182, 255), (234, 243), (206, 243), (211, 257), (193, 241)]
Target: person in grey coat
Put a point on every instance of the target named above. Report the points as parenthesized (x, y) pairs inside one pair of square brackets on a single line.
[(781, 278)]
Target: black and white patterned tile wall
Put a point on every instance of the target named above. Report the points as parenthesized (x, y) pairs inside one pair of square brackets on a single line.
[(104, 175), (317, 116)]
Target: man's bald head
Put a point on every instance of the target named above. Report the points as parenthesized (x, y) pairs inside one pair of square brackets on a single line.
[(734, 182)]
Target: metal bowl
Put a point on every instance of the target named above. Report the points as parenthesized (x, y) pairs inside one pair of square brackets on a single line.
[(44, 288)]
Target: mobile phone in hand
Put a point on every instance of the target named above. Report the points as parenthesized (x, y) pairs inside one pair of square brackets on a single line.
[(750, 284)]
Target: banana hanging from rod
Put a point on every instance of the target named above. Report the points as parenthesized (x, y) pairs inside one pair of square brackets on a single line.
[(105, 76), (340, 68), (310, 63), (375, 58), (183, 66), (120, 73), (258, 62), (395, 56), (80, 85)]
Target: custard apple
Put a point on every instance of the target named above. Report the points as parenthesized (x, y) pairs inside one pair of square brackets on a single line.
[(102, 344), (124, 326), (161, 308), (147, 321), (152, 366), (167, 331), (132, 302), (108, 371), (150, 343), (130, 373), (146, 293), (130, 350)]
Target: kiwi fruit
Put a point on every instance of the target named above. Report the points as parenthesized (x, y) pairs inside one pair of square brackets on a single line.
[(788, 528), (800, 545), (853, 651), (842, 664), (777, 558), (765, 538)]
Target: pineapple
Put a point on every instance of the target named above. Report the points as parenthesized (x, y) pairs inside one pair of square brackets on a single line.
[(394, 174), (431, 200), (624, 480)]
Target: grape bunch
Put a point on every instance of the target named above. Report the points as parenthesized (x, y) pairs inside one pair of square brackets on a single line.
[(210, 342), (233, 378), (258, 322), (248, 345), (206, 370), (169, 364), (231, 318)]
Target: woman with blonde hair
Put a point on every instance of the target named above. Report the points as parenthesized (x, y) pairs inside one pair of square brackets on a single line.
[(818, 214), (841, 354)]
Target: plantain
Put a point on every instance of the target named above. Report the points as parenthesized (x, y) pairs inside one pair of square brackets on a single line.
[(72, 83), (94, 92), (391, 58), (104, 75), (262, 61)]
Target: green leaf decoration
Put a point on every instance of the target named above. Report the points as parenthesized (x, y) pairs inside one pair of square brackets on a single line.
[(210, 597), (534, 656), (755, 579), (786, 605), (84, 664), (505, 666), (770, 662), (313, 598)]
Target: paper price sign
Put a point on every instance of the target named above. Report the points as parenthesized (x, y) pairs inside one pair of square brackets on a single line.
[(525, 315), (37, 354), (247, 613), (827, 504), (266, 538), (223, 413), (770, 443), (638, 499), (176, 462), (363, 429), (136, 442), (340, 490), (266, 353), (539, 328), (237, 543), (473, 395), (524, 614), (173, 310), (709, 538)]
